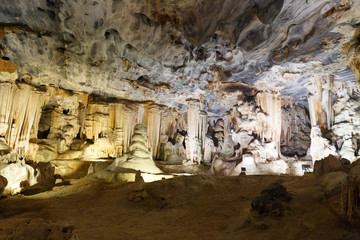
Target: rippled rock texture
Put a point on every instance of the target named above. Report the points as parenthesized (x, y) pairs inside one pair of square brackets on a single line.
[(246, 86), (155, 49)]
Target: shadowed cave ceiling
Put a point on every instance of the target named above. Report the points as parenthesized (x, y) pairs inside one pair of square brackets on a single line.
[(161, 50)]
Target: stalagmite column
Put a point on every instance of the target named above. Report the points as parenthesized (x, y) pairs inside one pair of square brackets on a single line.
[(270, 103), (152, 120), (321, 113), (197, 127)]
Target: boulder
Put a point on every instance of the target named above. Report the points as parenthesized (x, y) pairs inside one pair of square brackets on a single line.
[(328, 164), (270, 202), (3, 183), (138, 192)]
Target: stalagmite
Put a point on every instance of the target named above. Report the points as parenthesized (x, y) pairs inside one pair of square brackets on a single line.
[(197, 128), (138, 157), (320, 101)]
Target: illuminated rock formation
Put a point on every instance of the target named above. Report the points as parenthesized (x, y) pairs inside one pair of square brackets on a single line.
[(16, 174), (320, 101), (197, 128), (20, 110), (139, 157), (247, 88), (334, 118), (174, 153)]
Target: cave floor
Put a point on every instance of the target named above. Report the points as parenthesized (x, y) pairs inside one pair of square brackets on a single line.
[(190, 207)]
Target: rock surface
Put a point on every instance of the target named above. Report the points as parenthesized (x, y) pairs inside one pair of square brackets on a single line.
[(270, 202), (328, 164), (138, 191), (156, 50), (350, 201), (252, 85), (3, 183)]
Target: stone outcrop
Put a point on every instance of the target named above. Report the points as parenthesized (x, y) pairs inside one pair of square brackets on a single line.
[(138, 191), (271, 202), (350, 201), (3, 183), (328, 164)]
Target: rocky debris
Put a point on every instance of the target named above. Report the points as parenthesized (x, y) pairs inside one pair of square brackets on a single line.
[(3, 183), (45, 177), (35, 228), (138, 191), (350, 201), (271, 201), (327, 165)]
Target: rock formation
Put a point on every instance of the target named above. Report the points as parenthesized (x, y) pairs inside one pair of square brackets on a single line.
[(250, 86), (328, 164), (138, 191), (3, 183), (350, 201), (270, 202), (139, 157)]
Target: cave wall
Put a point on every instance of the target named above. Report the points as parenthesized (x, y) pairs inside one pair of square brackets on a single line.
[(334, 112), (53, 123), (262, 132)]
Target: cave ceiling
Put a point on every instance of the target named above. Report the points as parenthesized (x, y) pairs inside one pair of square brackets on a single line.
[(170, 51)]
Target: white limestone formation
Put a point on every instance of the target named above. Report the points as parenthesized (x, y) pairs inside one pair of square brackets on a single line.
[(20, 110), (320, 101), (197, 128), (138, 157)]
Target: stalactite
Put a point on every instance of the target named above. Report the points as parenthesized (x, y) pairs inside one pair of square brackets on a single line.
[(320, 108), (20, 108), (270, 103), (152, 120)]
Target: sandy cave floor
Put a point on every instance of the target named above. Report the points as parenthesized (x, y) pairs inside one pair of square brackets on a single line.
[(191, 207)]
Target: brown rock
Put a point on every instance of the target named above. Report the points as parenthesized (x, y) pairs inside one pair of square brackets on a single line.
[(326, 165), (3, 184), (350, 201), (138, 191)]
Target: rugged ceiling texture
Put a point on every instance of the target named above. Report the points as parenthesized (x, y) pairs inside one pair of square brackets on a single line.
[(160, 50)]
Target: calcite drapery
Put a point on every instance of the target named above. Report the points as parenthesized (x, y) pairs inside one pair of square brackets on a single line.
[(333, 110), (320, 101), (270, 103), (20, 110), (197, 128)]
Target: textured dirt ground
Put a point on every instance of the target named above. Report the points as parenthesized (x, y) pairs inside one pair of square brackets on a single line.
[(191, 207)]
